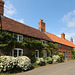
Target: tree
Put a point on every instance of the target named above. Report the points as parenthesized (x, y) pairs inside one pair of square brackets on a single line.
[(73, 53)]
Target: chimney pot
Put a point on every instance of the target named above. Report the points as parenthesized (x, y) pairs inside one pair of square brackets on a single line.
[(63, 36), (1, 7), (41, 26), (71, 39)]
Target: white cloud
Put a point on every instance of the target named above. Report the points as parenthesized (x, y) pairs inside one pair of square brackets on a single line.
[(9, 9), (21, 20), (69, 19)]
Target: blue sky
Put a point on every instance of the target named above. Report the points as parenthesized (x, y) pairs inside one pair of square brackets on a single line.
[(59, 15)]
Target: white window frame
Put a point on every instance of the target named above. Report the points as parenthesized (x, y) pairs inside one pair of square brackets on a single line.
[(17, 51), (37, 54), (44, 53), (18, 37), (44, 41)]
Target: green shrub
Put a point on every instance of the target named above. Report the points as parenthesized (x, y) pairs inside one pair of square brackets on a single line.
[(55, 58), (61, 57), (48, 60), (40, 61)]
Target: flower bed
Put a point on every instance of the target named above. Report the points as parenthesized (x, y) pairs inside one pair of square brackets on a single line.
[(40, 61), (48, 60), (8, 63), (23, 62), (55, 58)]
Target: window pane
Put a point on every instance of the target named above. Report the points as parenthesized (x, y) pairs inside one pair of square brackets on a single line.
[(20, 38), (66, 53), (59, 45), (15, 53), (20, 52), (16, 36), (68, 48), (44, 53), (63, 53), (69, 53), (37, 54)]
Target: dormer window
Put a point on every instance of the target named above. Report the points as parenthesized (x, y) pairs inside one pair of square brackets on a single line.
[(59, 45), (18, 37)]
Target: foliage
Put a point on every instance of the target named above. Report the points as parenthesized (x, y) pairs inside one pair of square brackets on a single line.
[(54, 48), (32, 44), (51, 47), (73, 53), (55, 58), (61, 57), (8, 42), (40, 61), (48, 60)]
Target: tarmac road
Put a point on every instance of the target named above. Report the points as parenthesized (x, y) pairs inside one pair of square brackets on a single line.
[(66, 68)]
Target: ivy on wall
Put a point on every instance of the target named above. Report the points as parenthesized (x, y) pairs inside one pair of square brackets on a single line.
[(8, 42)]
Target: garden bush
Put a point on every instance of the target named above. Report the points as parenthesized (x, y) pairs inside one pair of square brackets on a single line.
[(55, 58), (23, 62), (40, 61), (61, 57), (7, 63), (48, 60)]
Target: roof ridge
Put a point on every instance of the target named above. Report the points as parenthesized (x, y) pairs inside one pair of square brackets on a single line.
[(65, 40), (58, 36)]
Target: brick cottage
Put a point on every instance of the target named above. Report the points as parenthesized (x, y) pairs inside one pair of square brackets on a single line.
[(22, 31)]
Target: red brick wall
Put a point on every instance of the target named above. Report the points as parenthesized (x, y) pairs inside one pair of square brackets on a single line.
[(65, 49)]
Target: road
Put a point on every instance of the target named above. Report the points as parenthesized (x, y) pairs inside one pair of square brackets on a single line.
[(66, 68)]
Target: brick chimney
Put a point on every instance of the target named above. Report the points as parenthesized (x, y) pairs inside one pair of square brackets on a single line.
[(63, 36), (41, 26), (1, 7), (71, 39)]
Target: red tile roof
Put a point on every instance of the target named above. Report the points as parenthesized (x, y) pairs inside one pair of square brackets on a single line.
[(17, 27), (60, 40), (14, 26)]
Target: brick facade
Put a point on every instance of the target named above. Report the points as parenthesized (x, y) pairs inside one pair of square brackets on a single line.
[(13, 26), (65, 49)]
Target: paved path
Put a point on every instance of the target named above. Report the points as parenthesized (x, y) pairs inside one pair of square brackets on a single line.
[(67, 68)]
